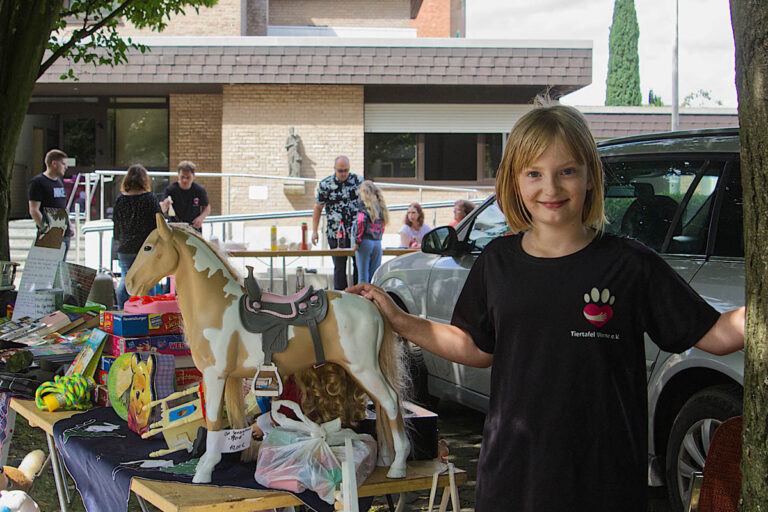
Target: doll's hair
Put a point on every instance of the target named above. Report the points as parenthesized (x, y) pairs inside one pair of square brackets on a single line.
[(546, 124), (373, 200), (137, 179), (328, 392), (420, 211)]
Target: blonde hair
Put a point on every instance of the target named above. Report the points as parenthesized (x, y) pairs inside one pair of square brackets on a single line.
[(373, 200), (328, 392), (530, 137)]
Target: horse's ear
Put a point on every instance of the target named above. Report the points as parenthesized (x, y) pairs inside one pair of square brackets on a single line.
[(165, 232)]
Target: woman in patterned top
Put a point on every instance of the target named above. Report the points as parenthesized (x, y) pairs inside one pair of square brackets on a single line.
[(134, 219)]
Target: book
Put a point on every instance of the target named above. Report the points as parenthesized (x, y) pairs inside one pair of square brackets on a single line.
[(88, 359)]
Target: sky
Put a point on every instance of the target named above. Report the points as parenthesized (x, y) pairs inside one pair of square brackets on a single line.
[(706, 51)]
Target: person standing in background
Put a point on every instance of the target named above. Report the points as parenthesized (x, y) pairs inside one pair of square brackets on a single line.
[(133, 218), (338, 195), (46, 190), (185, 200), (414, 228), (461, 209), (372, 218)]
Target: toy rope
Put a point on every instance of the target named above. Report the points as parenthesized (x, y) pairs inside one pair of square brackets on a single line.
[(74, 389)]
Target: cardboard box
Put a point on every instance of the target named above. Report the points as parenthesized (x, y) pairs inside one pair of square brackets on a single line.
[(173, 344), (126, 324), (106, 362), (420, 423), (101, 377), (185, 377), (100, 396)]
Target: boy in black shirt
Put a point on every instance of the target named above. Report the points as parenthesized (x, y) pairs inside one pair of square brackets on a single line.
[(46, 190), (186, 201)]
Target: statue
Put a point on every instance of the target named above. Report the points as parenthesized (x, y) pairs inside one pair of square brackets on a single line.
[(294, 154)]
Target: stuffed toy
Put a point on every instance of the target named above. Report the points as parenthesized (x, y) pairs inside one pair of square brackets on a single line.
[(17, 501), (15, 482)]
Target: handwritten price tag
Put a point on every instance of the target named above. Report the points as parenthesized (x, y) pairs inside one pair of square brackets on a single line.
[(236, 440)]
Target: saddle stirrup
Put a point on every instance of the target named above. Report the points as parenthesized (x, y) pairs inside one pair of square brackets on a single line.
[(267, 381)]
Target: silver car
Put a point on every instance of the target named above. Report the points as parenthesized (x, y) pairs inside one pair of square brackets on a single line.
[(680, 194)]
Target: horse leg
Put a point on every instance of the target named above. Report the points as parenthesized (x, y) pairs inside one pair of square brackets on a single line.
[(214, 394), (386, 398)]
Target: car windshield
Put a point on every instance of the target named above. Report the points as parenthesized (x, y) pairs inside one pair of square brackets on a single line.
[(488, 224)]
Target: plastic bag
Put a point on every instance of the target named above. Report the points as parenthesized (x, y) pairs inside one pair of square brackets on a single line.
[(301, 455)]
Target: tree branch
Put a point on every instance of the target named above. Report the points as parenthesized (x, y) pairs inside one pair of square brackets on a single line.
[(79, 35)]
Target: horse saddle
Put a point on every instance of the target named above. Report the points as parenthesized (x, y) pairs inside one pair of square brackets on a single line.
[(270, 315)]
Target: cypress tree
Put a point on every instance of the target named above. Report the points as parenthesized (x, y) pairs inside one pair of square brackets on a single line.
[(623, 82)]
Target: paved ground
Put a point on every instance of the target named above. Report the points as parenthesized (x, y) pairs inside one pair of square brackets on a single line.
[(462, 428)]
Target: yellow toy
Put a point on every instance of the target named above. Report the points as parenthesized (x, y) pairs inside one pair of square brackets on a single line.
[(179, 424)]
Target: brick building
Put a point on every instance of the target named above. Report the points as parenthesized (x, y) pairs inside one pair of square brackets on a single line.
[(393, 84)]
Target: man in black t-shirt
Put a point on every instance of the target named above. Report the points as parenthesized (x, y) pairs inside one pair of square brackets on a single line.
[(186, 201), (46, 190)]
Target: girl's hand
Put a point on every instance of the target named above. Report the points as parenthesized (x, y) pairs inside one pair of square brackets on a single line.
[(382, 299), (355, 247)]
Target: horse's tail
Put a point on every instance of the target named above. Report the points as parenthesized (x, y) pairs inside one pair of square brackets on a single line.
[(233, 398), (393, 364)]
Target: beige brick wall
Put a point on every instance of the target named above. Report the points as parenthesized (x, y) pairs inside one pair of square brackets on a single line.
[(340, 13), (255, 126), (223, 19), (195, 134)]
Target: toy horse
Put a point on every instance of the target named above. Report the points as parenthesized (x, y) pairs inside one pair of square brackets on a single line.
[(353, 334)]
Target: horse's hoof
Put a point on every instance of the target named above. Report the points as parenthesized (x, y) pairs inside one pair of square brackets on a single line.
[(396, 472)]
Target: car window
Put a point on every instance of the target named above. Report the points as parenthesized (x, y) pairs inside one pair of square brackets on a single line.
[(730, 226), (642, 197), (487, 225)]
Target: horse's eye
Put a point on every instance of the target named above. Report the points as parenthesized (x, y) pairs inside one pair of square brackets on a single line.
[(147, 248)]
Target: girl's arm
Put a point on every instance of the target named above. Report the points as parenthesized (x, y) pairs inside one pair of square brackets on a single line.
[(726, 336), (447, 341), (405, 239)]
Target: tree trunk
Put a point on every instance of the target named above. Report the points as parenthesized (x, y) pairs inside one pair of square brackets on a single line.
[(25, 26), (750, 30)]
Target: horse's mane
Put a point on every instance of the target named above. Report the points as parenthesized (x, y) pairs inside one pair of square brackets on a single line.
[(217, 250)]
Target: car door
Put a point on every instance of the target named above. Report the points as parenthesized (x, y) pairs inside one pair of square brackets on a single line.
[(666, 202), (446, 280)]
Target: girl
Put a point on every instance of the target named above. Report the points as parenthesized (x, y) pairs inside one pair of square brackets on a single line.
[(372, 217), (413, 229), (461, 209), (560, 309), (134, 219)]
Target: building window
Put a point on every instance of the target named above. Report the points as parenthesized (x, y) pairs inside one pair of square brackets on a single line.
[(139, 135), (80, 140), (450, 157), (390, 155), (433, 157)]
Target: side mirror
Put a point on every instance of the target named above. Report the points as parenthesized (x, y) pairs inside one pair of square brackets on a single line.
[(443, 241)]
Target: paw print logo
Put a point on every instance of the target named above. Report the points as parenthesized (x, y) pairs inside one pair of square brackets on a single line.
[(598, 309)]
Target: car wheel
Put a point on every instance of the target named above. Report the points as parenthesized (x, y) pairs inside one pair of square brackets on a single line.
[(417, 371), (691, 434)]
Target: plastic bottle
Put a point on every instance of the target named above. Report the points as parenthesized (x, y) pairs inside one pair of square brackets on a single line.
[(299, 278), (273, 238), (304, 245)]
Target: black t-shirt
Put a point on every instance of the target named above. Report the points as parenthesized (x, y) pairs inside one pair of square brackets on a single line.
[(134, 219), (567, 423), (188, 204), (50, 193)]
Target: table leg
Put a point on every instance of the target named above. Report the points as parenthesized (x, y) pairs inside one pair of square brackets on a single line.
[(142, 503), (285, 279), (271, 274), (61, 484)]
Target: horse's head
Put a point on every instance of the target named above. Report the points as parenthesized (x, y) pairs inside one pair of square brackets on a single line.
[(140, 392), (157, 258)]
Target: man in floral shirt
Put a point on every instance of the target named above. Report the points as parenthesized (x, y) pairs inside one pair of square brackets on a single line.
[(338, 195)]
